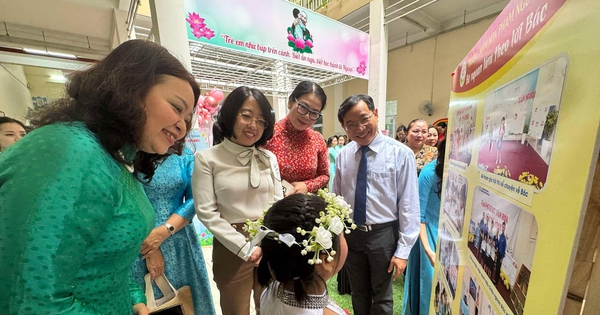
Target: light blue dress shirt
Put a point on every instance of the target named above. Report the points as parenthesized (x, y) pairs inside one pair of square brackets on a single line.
[(392, 190)]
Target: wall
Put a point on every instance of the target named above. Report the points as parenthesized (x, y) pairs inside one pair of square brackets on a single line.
[(41, 87), (423, 71), (15, 98), (419, 72)]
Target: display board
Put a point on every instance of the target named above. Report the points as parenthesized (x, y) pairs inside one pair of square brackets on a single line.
[(279, 30), (522, 145)]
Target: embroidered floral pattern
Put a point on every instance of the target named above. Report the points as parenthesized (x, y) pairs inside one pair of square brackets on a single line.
[(302, 155)]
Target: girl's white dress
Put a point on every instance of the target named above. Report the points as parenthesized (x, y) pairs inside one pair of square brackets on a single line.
[(276, 300)]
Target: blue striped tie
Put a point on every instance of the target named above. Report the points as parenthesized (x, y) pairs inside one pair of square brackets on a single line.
[(360, 194)]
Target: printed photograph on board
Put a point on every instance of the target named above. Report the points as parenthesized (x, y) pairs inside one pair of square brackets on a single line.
[(449, 259), (473, 301), (461, 135), (502, 238), (519, 122), (455, 199), (441, 300)]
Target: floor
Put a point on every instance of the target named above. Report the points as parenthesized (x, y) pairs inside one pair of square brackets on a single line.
[(207, 251)]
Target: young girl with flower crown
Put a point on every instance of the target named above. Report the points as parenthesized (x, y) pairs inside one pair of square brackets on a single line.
[(303, 246)]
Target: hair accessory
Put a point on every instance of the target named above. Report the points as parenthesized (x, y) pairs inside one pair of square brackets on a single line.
[(334, 220), (128, 167)]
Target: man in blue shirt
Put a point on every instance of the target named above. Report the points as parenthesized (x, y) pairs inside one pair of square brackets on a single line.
[(501, 252), (377, 176)]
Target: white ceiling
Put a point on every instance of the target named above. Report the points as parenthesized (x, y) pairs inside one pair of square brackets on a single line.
[(437, 17)]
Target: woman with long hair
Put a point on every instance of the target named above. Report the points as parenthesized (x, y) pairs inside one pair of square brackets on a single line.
[(85, 215), (401, 134), (419, 272)]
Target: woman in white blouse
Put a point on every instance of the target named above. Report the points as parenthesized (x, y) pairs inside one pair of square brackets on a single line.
[(234, 181)]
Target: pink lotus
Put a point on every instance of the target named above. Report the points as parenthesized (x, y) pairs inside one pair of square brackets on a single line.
[(291, 37), (309, 43), (208, 33), (198, 32), (196, 22), (300, 43)]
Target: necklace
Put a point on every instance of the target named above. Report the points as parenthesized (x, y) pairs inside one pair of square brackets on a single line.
[(311, 302), (128, 167)]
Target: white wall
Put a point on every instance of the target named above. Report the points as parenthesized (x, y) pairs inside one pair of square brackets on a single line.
[(417, 72), (15, 97)]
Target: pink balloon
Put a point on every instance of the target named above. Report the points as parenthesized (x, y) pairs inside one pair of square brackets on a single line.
[(201, 100), (217, 94), (210, 101)]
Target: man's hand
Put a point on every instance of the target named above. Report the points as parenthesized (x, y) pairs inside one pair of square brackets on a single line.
[(399, 264)]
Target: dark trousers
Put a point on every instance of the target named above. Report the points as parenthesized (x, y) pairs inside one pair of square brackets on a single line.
[(369, 256), (498, 267)]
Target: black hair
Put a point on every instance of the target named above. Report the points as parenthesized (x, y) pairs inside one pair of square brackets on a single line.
[(295, 13), (217, 136), (307, 87), (287, 263), (330, 140), (4, 120), (352, 101), (345, 139), (414, 121), (400, 128), (439, 166), (109, 99), (228, 114), (442, 124)]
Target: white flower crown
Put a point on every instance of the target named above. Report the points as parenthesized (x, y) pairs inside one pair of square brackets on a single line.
[(334, 220)]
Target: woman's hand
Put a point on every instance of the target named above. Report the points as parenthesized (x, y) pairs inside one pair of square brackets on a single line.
[(431, 257), (256, 256), (153, 241), (300, 188), (141, 309), (155, 264)]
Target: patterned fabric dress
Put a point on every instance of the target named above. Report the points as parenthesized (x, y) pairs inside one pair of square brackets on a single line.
[(302, 155), (72, 220), (425, 155), (184, 262)]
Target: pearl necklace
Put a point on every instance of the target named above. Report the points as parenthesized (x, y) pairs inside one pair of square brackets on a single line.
[(128, 167)]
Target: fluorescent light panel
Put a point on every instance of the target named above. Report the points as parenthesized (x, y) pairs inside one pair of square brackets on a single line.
[(48, 53)]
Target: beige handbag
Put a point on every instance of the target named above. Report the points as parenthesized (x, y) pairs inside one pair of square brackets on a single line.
[(173, 301)]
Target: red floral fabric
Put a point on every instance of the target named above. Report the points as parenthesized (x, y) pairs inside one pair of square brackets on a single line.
[(302, 155)]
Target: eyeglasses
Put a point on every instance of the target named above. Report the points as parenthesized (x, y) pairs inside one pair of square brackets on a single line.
[(303, 109), (351, 126), (248, 119)]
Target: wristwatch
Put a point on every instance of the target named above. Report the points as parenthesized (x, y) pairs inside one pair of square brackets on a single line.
[(170, 228)]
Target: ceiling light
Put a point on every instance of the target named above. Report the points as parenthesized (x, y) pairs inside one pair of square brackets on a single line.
[(57, 79), (49, 53)]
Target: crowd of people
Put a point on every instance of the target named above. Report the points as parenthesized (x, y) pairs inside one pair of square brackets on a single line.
[(105, 199)]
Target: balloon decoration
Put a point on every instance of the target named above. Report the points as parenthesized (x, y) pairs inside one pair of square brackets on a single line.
[(208, 105)]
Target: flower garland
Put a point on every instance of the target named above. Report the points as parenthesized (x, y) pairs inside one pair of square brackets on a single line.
[(531, 179), (334, 220), (502, 171)]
